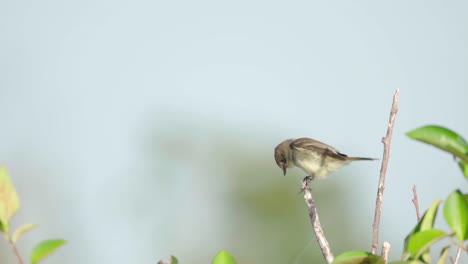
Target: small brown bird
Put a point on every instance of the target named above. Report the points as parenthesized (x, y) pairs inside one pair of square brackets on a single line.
[(317, 159)]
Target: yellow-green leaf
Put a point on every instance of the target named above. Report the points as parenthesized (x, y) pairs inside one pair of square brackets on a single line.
[(174, 260), (358, 257), (428, 219), (442, 138), (45, 248), (20, 231), (422, 241), (9, 201), (426, 223), (464, 167), (224, 258), (456, 214), (4, 227), (443, 255), (407, 262)]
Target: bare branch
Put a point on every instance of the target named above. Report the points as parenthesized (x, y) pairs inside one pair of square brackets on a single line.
[(15, 249), (385, 250), (416, 203), (315, 221), (457, 257), (383, 170), (17, 254)]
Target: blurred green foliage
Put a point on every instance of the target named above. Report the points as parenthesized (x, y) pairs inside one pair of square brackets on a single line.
[(9, 205)]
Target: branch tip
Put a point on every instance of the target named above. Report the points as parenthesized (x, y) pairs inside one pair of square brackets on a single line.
[(416, 203), (383, 171), (385, 250)]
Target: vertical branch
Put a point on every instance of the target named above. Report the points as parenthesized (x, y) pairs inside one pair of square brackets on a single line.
[(416, 203), (383, 170), (385, 251), (457, 257), (315, 221)]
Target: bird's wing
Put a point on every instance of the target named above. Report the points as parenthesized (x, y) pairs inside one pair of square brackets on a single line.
[(318, 147)]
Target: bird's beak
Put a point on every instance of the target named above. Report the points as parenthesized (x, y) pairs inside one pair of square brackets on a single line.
[(284, 170)]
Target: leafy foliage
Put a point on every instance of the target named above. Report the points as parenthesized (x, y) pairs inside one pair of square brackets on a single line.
[(9, 205), (45, 248), (420, 242), (424, 236), (444, 139), (224, 258), (456, 214), (443, 255), (9, 201), (426, 223), (21, 230), (358, 257), (464, 167)]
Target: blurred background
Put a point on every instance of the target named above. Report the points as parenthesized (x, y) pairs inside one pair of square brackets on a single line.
[(140, 129)]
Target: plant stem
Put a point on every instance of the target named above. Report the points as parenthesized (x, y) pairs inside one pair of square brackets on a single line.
[(416, 203), (383, 171), (457, 257), (15, 250), (385, 251)]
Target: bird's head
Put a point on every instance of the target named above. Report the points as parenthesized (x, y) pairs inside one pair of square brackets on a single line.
[(283, 155)]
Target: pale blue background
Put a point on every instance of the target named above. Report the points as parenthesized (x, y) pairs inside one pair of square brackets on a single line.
[(123, 122)]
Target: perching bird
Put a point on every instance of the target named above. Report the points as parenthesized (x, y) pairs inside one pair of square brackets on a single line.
[(315, 158)]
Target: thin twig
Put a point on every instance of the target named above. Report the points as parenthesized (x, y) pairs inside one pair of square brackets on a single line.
[(416, 203), (315, 221), (385, 250), (383, 170), (457, 257), (16, 252)]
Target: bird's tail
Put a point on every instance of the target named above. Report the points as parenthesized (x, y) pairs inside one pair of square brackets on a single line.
[(359, 158)]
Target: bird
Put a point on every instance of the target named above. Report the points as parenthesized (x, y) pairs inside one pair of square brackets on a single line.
[(315, 158)]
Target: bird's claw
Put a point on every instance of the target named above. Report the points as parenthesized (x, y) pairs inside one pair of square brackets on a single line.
[(308, 178), (305, 183)]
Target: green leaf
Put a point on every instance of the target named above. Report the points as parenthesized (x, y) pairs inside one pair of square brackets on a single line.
[(443, 255), (45, 248), (464, 167), (456, 214), (407, 262), (442, 138), (9, 201), (358, 257), (4, 227), (224, 258), (174, 260), (20, 231), (422, 241), (426, 223), (428, 219)]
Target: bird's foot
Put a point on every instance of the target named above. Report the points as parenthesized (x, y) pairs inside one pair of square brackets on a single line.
[(308, 178), (305, 183)]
